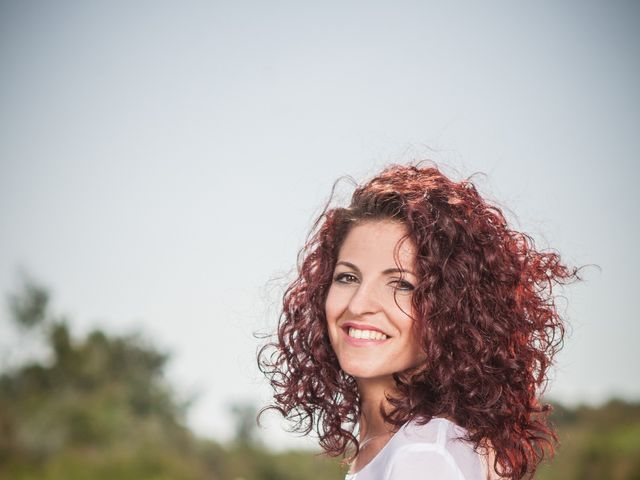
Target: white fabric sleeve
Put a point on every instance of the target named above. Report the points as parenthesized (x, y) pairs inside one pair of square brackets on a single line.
[(422, 464)]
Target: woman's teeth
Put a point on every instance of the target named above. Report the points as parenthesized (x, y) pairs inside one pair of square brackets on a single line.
[(366, 334)]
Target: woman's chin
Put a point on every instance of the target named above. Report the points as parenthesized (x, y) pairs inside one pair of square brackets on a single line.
[(361, 373)]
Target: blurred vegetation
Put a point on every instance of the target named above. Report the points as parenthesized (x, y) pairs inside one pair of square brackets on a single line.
[(99, 407), (596, 443)]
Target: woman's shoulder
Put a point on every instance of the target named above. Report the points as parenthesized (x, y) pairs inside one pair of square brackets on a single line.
[(436, 449), (438, 445), (435, 431)]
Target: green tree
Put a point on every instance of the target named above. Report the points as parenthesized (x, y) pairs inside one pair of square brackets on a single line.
[(99, 408)]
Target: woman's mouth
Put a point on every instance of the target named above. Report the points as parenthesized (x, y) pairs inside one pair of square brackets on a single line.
[(362, 335), (366, 334)]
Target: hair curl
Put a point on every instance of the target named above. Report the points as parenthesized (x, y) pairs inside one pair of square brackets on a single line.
[(485, 313)]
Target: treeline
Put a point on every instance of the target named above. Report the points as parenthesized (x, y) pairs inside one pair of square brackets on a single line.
[(99, 407), (596, 443)]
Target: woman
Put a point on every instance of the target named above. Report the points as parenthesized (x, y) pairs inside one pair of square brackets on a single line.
[(418, 333)]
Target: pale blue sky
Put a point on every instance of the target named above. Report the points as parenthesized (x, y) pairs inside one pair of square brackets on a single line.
[(161, 162)]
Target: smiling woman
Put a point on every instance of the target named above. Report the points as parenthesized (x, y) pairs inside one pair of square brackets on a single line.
[(418, 333)]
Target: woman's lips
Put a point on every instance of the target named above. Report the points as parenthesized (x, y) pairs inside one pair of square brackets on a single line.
[(372, 336)]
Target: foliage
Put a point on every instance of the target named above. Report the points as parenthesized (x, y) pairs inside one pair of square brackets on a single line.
[(597, 443), (99, 408)]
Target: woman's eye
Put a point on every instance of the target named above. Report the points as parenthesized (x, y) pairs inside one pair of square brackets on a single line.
[(402, 285), (345, 278)]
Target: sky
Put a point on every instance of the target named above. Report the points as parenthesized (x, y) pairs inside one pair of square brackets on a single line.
[(161, 162)]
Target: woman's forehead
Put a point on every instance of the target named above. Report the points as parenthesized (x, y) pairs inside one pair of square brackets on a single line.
[(379, 243)]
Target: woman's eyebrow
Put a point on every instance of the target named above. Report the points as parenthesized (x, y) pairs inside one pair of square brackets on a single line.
[(398, 270), (349, 265), (384, 272)]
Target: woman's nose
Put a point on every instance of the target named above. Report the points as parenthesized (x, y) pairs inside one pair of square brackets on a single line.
[(364, 300)]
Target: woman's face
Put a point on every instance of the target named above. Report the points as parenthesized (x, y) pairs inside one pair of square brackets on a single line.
[(369, 304)]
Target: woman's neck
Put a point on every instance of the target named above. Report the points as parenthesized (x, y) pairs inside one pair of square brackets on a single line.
[(373, 394), (374, 431)]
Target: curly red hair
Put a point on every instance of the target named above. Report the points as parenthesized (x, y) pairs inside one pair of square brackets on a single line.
[(485, 314)]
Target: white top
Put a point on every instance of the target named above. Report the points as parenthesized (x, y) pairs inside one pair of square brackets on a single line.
[(431, 452)]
